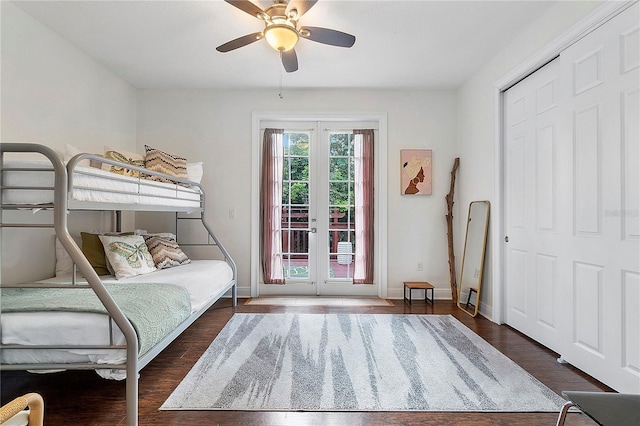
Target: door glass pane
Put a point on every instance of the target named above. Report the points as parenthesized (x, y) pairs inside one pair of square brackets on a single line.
[(295, 206), (341, 205), (300, 168), (340, 144), (299, 193), (339, 168), (339, 193)]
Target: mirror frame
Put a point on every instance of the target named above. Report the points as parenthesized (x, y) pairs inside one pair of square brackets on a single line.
[(479, 247)]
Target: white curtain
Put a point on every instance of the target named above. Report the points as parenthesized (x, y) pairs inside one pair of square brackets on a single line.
[(363, 144), (271, 206)]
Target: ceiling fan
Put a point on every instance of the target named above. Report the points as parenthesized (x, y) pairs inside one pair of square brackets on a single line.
[(281, 29)]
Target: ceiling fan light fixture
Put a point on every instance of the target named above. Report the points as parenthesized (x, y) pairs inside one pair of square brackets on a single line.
[(281, 37)]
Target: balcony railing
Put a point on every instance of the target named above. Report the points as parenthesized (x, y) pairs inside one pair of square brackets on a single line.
[(295, 232)]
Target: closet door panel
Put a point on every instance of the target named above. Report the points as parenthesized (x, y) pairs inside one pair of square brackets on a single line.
[(631, 322), (531, 206), (602, 70), (631, 165)]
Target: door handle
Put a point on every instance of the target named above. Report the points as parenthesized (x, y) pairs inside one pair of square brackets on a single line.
[(312, 230)]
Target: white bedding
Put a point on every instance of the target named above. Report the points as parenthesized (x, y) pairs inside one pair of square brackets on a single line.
[(204, 279), (94, 185)]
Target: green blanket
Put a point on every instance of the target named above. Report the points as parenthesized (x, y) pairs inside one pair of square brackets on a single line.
[(153, 309)]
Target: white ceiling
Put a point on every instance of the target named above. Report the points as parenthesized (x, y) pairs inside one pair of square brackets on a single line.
[(399, 44)]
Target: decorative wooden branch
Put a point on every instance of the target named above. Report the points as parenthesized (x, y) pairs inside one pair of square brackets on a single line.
[(452, 256)]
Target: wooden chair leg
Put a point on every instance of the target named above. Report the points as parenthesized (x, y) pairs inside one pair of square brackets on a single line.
[(471, 291)]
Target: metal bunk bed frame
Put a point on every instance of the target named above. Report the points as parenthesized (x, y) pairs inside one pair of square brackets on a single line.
[(61, 205)]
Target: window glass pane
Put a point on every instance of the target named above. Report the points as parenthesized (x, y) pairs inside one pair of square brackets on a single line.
[(297, 270), (299, 241), (298, 216), (299, 168), (285, 193), (299, 193), (347, 218), (297, 143), (285, 169), (338, 193), (339, 168), (344, 237), (336, 214), (339, 144)]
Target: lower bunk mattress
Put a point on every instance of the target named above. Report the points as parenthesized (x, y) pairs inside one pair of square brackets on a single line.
[(155, 303)]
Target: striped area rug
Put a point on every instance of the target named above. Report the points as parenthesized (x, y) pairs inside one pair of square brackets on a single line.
[(342, 362)]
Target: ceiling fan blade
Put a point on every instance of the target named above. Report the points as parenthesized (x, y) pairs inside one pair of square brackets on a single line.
[(327, 36), (246, 6), (289, 60), (301, 6), (239, 42)]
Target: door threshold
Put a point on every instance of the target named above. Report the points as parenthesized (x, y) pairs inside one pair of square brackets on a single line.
[(318, 301)]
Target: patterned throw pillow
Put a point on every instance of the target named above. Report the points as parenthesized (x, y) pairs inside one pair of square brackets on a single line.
[(128, 255), (160, 161), (166, 252), (125, 157)]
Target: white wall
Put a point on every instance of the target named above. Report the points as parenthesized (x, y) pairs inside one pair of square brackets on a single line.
[(477, 117), (215, 127), (52, 93)]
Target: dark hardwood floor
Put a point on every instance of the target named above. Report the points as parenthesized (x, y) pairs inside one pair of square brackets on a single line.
[(83, 398)]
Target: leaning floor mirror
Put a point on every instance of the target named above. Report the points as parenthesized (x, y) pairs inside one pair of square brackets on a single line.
[(473, 257)]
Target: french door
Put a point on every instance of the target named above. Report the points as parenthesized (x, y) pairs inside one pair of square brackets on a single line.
[(318, 209)]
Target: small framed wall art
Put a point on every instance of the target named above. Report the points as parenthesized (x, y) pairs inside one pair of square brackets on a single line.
[(415, 165)]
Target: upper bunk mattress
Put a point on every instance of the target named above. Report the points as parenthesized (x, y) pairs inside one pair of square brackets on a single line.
[(91, 184)]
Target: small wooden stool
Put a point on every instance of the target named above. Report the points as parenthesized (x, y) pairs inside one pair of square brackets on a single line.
[(420, 285), (471, 291)]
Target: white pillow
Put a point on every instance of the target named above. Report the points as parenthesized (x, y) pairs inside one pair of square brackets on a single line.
[(195, 171), (128, 255), (71, 151), (64, 264)]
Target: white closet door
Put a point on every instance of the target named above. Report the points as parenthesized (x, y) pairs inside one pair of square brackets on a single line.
[(572, 200), (601, 284), (531, 206)]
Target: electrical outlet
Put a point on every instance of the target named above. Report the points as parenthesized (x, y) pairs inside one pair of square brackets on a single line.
[(232, 213), (420, 266)]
